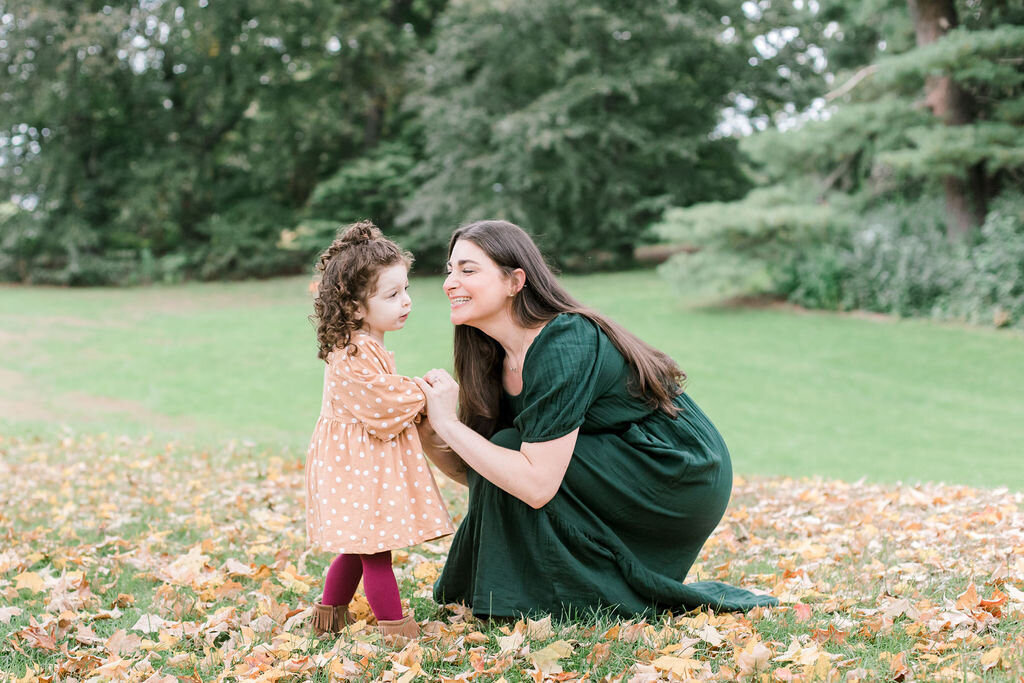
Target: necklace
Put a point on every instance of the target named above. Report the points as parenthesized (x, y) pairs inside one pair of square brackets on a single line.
[(514, 367)]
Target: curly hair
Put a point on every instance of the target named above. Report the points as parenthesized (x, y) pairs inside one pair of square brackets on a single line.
[(349, 270)]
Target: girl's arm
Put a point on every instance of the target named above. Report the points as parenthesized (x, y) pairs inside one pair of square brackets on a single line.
[(532, 474), (443, 457)]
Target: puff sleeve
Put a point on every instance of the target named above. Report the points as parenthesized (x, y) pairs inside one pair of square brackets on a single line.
[(385, 403), (560, 378)]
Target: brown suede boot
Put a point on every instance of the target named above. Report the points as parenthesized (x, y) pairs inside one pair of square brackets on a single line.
[(331, 618), (400, 631)]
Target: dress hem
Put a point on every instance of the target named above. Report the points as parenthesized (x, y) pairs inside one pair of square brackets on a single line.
[(360, 550)]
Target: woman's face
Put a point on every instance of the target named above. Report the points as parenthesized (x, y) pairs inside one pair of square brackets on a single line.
[(478, 289)]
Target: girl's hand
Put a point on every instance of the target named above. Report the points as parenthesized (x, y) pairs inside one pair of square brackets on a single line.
[(442, 392)]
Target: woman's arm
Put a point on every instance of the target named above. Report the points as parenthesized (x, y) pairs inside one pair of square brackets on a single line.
[(531, 474), (439, 453)]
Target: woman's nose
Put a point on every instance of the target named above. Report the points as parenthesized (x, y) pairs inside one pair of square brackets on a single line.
[(449, 282)]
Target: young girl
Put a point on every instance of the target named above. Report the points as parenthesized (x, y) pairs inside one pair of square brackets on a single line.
[(368, 487)]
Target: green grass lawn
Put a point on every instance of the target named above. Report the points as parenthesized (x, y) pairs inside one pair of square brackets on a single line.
[(793, 393)]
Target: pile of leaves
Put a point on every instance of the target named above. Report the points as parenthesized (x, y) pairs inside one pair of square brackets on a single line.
[(131, 560)]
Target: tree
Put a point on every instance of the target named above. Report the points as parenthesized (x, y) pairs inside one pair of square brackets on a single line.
[(580, 120), (939, 115), (185, 136)]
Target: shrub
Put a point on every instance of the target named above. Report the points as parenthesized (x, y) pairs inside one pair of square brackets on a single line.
[(900, 261), (243, 241)]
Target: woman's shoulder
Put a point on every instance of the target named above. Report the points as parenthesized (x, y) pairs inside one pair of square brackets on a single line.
[(571, 327), (567, 334)]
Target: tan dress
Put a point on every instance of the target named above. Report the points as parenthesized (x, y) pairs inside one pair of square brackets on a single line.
[(368, 484)]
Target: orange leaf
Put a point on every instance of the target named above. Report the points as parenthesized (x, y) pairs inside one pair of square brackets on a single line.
[(803, 612), (898, 666), (994, 604), (599, 653), (832, 634), (968, 599)]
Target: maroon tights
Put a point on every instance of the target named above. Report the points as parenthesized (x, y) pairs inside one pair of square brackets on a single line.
[(379, 583)]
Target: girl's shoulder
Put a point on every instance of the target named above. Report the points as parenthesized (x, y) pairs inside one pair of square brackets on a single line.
[(361, 344)]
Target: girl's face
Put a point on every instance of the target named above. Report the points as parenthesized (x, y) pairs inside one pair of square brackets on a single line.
[(388, 308), (477, 287)]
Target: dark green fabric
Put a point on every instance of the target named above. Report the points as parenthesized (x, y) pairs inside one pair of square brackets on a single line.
[(642, 493)]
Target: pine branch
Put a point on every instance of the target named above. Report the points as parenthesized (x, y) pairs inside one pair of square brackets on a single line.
[(852, 83)]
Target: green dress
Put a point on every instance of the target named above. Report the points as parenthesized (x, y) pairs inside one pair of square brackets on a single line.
[(642, 493)]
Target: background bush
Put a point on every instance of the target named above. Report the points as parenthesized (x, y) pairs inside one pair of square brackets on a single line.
[(900, 261)]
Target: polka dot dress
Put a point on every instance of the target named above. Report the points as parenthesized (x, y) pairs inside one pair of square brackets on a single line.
[(369, 487)]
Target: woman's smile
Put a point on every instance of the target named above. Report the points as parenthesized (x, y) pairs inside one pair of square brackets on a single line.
[(473, 278)]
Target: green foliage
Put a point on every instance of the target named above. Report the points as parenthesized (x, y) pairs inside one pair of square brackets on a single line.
[(742, 246), (372, 186), (137, 138), (846, 213), (579, 120), (240, 242), (900, 261), (980, 57), (992, 289), (838, 153)]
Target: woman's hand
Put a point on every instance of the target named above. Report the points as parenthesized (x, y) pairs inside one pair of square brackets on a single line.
[(442, 393)]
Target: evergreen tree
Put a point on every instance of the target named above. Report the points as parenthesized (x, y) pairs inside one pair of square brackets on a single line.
[(936, 109), (580, 120)]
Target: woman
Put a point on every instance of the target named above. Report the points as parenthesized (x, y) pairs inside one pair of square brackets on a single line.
[(593, 480)]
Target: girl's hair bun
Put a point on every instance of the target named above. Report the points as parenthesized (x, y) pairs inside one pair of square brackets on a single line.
[(360, 233)]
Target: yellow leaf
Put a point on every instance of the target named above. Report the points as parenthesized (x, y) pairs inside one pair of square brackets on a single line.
[(991, 658), (426, 571), (546, 659), (30, 581), (539, 630), (710, 635), (753, 657), (410, 674), (291, 580), (510, 643), (677, 665)]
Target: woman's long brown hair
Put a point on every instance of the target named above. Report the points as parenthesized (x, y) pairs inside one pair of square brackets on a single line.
[(478, 358)]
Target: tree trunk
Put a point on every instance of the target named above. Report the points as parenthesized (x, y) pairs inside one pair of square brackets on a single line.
[(965, 195)]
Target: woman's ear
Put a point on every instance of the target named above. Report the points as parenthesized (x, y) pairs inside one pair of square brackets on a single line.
[(517, 281)]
